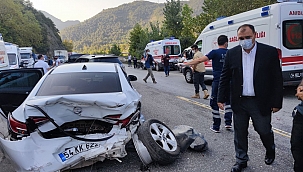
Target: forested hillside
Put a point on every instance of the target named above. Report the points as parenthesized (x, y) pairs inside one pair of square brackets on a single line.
[(112, 26), (23, 25)]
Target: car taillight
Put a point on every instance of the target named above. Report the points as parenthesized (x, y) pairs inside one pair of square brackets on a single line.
[(113, 117), (20, 127), (124, 122), (17, 126), (40, 120)]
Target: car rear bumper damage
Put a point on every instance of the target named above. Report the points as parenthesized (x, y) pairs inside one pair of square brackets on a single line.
[(35, 153)]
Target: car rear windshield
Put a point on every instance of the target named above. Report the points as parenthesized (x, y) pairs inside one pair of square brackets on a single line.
[(80, 83), (292, 34), (75, 56), (107, 59)]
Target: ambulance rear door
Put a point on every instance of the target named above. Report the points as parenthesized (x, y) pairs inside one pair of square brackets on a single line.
[(291, 44), (4, 62)]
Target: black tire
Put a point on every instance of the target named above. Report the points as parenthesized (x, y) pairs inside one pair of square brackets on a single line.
[(153, 134), (188, 76)]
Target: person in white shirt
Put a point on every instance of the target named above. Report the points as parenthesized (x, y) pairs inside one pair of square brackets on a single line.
[(129, 60), (41, 64), (252, 76)]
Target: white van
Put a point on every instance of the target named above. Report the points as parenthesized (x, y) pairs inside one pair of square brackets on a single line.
[(62, 55), (279, 25), (13, 53), (4, 62), (158, 49), (27, 59)]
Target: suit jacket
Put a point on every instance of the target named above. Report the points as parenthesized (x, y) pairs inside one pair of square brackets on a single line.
[(267, 81)]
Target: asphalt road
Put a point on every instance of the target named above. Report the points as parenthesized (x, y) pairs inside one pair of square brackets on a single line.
[(170, 102)]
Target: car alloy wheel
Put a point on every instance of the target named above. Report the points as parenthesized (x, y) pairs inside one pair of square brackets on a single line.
[(160, 141), (188, 76)]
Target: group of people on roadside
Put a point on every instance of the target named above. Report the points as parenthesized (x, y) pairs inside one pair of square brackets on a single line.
[(134, 59), (46, 67), (247, 84)]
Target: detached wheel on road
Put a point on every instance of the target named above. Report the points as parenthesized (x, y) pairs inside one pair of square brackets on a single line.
[(188, 76), (160, 141)]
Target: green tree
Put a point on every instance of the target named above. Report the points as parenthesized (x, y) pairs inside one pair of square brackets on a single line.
[(155, 32), (23, 25), (138, 40), (115, 49), (68, 45), (188, 31), (18, 25), (172, 18)]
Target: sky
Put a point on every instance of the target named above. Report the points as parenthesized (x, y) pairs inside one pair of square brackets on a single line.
[(78, 9)]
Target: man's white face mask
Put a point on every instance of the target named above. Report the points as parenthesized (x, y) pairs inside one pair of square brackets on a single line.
[(246, 44)]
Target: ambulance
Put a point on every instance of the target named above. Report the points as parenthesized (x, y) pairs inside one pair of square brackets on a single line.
[(158, 49), (13, 53), (279, 25), (4, 62)]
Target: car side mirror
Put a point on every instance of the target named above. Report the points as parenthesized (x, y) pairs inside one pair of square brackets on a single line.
[(132, 78)]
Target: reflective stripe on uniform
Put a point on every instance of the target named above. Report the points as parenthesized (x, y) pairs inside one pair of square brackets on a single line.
[(228, 110), (216, 116), (215, 111)]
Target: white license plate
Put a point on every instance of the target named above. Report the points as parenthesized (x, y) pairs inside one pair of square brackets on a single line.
[(77, 149)]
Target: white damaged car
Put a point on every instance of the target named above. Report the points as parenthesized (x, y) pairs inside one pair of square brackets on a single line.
[(74, 116)]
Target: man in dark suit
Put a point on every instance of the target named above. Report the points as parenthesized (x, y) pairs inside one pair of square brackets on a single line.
[(254, 74)]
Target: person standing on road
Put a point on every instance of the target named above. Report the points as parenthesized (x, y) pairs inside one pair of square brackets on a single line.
[(198, 73), (148, 63), (135, 62), (217, 56), (165, 60), (42, 64), (56, 62), (296, 139), (129, 60), (253, 75)]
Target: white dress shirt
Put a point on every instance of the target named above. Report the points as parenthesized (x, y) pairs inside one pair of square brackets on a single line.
[(248, 62), (42, 64)]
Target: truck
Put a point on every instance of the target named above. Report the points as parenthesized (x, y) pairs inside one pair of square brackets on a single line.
[(27, 60), (4, 62), (62, 55), (14, 56), (279, 25), (160, 48)]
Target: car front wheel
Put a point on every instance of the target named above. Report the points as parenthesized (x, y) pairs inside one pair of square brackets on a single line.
[(188, 76), (160, 141)]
